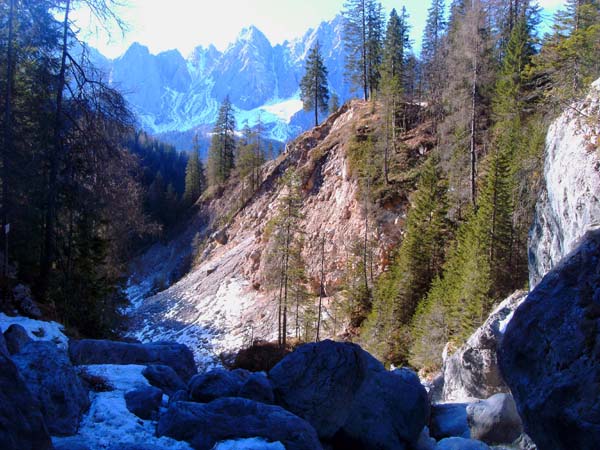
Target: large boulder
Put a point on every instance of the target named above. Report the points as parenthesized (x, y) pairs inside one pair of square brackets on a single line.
[(53, 381), (177, 356), (319, 382), (217, 383), (472, 372), (495, 420), (388, 412), (205, 424), (16, 338), (258, 388), (164, 378), (550, 354), (449, 420), (350, 399), (22, 425), (144, 402)]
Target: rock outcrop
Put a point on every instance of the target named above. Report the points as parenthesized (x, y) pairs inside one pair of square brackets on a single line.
[(177, 356), (164, 378), (494, 420), (144, 402), (550, 354), (570, 201), (472, 371), (22, 425), (54, 382), (217, 383), (205, 424)]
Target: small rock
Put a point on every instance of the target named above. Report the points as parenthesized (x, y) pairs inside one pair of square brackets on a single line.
[(457, 443), (164, 378), (179, 396), (3, 347), (495, 420), (144, 402), (449, 420), (216, 384), (424, 441), (220, 236), (16, 338), (25, 303), (205, 424), (258, 388), (54, 382)]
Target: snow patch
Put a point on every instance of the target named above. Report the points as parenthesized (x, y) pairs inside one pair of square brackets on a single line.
[(108, 420), (249, 444), (504, 322), (37, 330)]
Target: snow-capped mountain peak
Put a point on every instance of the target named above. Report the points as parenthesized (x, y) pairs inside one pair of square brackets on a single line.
[(173, 94)]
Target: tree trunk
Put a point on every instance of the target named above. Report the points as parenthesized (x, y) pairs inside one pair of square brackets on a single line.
[(8, 143), (473, 155), (321, 290), (54, 154), (364, 50)]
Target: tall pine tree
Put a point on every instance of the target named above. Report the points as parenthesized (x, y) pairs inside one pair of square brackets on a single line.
[(313, 86), (193, 175), (221, 154)]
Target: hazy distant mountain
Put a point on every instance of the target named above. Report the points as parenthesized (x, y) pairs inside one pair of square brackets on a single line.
[(174, 96)]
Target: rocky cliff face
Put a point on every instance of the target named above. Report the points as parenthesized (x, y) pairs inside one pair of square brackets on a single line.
[(223, 301), (570, 202)]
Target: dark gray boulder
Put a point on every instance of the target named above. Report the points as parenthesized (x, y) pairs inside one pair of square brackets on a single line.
[(258, 388), (25, 303), (179, 396), (177, 356), (3, 347), (164, 378), (388, 412), (319, 382), (54, 382), (550, 354), (495, 420), (144, 402), (16, 338), (204, 424), (71, 443), (449, 420), (22, 425), (217, 383), (457, 443)]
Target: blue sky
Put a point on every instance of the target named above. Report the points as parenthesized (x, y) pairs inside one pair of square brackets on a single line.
[(184, 24)]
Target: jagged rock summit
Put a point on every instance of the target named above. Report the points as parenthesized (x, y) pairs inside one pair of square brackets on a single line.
[(172, 94)]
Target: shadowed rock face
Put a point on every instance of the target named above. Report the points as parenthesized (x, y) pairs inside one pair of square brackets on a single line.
[(203, 425), (22, 425), (550, 355), (570, 201), (349, 398)]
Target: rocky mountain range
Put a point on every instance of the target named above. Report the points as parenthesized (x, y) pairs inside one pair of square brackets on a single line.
[(174, 96)]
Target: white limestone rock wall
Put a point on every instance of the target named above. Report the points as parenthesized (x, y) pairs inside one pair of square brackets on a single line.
[(570, 202)]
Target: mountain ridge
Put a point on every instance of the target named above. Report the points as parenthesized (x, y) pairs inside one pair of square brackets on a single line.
[(172, 94)]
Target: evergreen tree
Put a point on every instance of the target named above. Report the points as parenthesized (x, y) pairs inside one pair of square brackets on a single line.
[(284, 265), (193, 175), (569, 56), (313, 86), (363, 35), (221, 154), (395, 56), (432, 57), (418, 262)]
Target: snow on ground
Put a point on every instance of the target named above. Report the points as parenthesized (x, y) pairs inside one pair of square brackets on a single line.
[(38, 330), (108, 420), (249, 444), (212, 330)]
